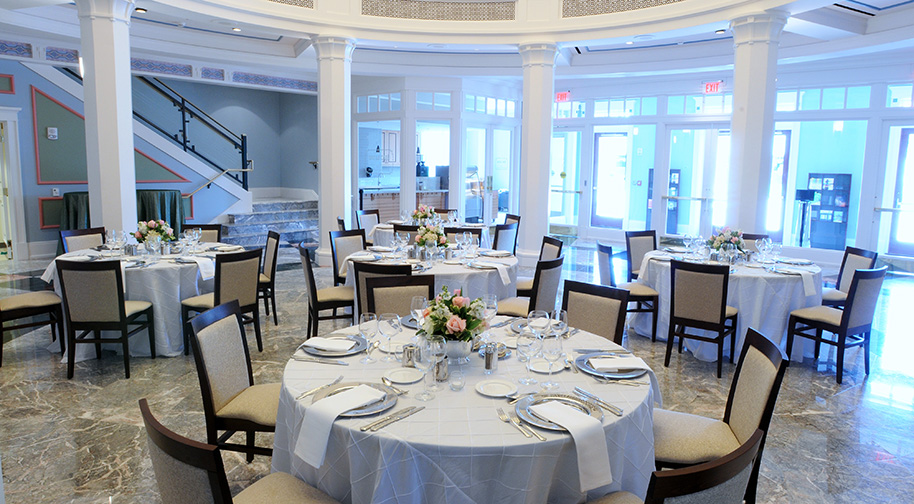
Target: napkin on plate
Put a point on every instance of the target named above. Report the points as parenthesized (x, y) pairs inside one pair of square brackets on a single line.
[(355, 256), (502, 270), (612, 364), (809, 283), (589, 442), (314, 435), (206, 265), (329, 344), (380, 248)]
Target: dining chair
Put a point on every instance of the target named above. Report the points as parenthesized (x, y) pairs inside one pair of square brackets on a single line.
[(82, 239), (597, 309), (750, 241), (191, 471), (340, 223), (683, 439), (854, 259), (443, 212), (209, 233), (546, 282), (698, 299), (506, 238), (646, 299), (367, 220), (266, 283), (851, 326), (231, 401), (410, 230), (363, 271), (29, 305), (637, 244), (394, 294), (721, 481), (328, 298), (512, 219), (93, 301), (237, 276), (452, 232), (342, 244), (550, 249)]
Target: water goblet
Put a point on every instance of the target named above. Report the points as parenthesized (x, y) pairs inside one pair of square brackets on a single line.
[(438, 349), (431, 250), (110, 237), (389, 326), (368, 328), (490, 301), (528, 345), (775, 251), (559, 322), (417, 307), (552, 352), (425, 361), (538, 322), (452, 216)]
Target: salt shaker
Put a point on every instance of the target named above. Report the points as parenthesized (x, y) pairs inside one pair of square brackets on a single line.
[(408, 358), (441, 370), (490, 356)]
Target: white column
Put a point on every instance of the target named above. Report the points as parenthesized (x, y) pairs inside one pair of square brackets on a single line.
[(536, 139), (104, 27), (755, 40), (334, 113)]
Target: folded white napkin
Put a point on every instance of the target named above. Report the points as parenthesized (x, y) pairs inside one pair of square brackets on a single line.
[(314, 435), (502, 270), (355, 256), (330, 344), (589, 441), (495, 253), (610, 364), (809, 283), (206, 265)]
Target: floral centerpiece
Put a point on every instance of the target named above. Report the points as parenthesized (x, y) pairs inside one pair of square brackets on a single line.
[(453, 317), (430, 233), (726, 235), (422, 213), (150, 229)]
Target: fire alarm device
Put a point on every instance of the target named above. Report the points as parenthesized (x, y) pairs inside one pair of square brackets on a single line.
[(52, 133)]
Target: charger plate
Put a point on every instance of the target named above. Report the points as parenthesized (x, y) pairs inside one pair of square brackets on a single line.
[(582, 362), (360, 345), (522, 408), (386, 402)]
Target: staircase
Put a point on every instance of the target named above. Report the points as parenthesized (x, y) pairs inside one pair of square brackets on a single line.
[(295, 221)]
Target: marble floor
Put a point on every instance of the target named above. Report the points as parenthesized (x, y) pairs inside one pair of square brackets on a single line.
[(82, 440)]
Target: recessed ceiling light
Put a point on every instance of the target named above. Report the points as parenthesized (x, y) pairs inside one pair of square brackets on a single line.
[(721, 31), (236, 29), (140, 10), (629, 42)]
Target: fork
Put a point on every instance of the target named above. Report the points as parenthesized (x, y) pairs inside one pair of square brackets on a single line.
[(504, 418), (516, 420)]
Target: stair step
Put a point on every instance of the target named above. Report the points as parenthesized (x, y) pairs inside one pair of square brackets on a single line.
[(260, 240), (263, 228), (282, 205), (271, 216)]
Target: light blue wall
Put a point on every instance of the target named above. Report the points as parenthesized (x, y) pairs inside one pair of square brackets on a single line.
[(298, 141)]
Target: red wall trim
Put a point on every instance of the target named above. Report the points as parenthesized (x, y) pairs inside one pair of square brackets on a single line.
[(41, 201), (12, 84)]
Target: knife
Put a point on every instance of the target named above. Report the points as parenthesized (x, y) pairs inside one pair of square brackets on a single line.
[(615, 410), (504, 323), (320, 361), (386, 418), (602, 350), (319, 387), (399, 417)]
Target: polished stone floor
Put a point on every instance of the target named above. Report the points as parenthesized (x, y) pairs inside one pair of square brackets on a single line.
[(82, 440)]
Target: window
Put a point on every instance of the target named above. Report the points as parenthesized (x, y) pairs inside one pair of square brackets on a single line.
[(899, 95), (377, 103), (698, 104)]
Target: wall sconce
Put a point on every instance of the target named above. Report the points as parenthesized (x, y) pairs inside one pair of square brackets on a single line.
[(314, 164), (378, 149)]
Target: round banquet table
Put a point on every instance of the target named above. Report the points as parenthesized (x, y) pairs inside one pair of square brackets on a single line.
[(164, 284), (383, 235), (456, 450), (764, 300)]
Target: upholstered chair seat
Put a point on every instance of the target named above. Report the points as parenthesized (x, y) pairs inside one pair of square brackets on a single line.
[(201, 302), (29, 299), (833, 296), (281, 487), (28, 307), (338, 293), (257, 403), (682, 438), (638, 289), (515, 306), (643, 299), (825, 314)]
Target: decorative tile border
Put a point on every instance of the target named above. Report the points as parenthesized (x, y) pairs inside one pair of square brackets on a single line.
[(307, 4), (161, 67), (269, 80), (212, 73), (61, 54), (21, 49), (579, 8), (42, 213), (440, 11), (12, 84)]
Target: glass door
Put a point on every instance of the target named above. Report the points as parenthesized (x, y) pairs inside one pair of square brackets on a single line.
[(476, 172), (611, 165), (901, 239), (696, 199), (565, 179), (500, 184), (777, 194)]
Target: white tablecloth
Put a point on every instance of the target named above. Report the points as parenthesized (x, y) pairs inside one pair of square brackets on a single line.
[(456, 450), (164, 284), (764, 300), (383, 235)]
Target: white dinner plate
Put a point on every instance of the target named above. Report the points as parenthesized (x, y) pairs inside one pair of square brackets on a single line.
[(379, 248), (541, 365), (496, 388), (511, 343), (451, 261), (495, 253), (229, 248), (404, 375), (795, 262)]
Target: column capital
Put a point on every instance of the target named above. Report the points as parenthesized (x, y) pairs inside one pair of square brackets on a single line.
[(538, 53), (115, 10), (761, 28), (333, 47)]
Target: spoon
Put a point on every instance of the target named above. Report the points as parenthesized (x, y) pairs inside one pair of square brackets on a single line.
[(386, 381), (569, 365)]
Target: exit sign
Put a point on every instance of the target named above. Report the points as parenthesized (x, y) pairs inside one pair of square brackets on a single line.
[(563, 96), (712, 87)]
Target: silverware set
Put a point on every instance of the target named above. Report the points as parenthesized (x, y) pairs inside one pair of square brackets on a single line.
[(391, 418), (319, 360), (504, 323), (615, 410), (513, 420), (320, 387)]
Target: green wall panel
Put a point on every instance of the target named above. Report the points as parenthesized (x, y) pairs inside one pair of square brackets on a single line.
[(64, 159), (6, 83)]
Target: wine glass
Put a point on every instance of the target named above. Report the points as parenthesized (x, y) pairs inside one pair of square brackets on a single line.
[(528, 345), (417, 306), (425, 360), (552, 352), (389, 326), (538, 322), (452, 216), (431, 250), (120, 240), (368, 328), (490, 301), (775, 251), (559, 322), (110, 238)]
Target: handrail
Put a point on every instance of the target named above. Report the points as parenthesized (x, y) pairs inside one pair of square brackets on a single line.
[(212, 179), (200, 111)]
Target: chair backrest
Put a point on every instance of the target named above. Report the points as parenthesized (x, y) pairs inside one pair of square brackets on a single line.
[(506, 237), (755, 386), (750, 241), (343, 243), (394, 294), (721, 481), (452, 232), (596, 308), (237, 276), (637, 244), (546, 282), (222, 357), (269, 255), (340, 223), (309, 274), (699, 294), (185, 470), (443, 212), (605, 263), (81, 239), (368, 219), (512, 219), (551, 248), (92, 292), (365, 270), (211, 233), (412, 231), (854, 259), (860, 307)]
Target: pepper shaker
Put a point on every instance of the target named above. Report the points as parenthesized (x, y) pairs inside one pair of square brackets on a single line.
[(490, 356)]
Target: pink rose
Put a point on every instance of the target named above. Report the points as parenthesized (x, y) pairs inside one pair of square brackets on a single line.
[(169, 231), (138, 235), (426, 312), (151, 223), (456, 325), (457, 292), (460, 302), (442, 239), (734, 239)]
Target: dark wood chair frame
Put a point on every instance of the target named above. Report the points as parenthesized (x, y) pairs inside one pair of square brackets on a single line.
[(55, 320), (753, 236), (847, 337), (643, 304), (315, 306), (337, 279), (253, 308), (499, 228), (601, 291), (850, 251), (540, 266), (477, 232), (678, 324), (267, 290), (359, 268), (511, 218), (555, 242), (215, 424), (340, 223), (207, 227), (372, 283), (628, 248), (64, 234), (122, 325), (358, 222), (408, 228)]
